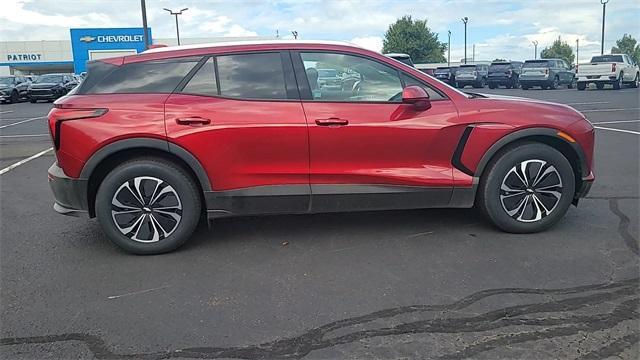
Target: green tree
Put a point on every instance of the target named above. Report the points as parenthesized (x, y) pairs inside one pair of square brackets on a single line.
[(414, 37), (559, 50), (499, 60), (627, 45)]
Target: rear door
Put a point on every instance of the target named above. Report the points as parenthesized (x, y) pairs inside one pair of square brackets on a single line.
[(368, 150), (241, 117)]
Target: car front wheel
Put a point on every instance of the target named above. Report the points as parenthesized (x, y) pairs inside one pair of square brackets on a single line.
[(148, 206), (526, 188)]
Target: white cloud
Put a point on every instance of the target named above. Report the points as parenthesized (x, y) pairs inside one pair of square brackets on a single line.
[(369, 42), (237, 30)]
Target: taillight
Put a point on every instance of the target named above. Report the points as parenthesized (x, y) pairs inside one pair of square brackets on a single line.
[(475, 73), (613, 67), (509, 72), (546, 71), (59, 114)]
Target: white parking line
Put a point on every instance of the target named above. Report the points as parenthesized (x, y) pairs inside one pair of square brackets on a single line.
[(605, 110), (618, 130), (22, 122), (589, 103), (614, 122), (6, 112), (24, 161), (25, 135)]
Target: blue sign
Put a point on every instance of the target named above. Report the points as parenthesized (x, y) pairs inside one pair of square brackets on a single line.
[(85, 41)]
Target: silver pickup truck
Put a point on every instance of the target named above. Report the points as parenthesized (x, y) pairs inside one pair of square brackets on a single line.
[(615, 69)]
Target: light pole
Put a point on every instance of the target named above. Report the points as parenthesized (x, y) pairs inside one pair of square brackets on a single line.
[(295, 35), (145, 31), (464, 20), (577, 52), (449, 50), (176, 15), (604, 8), (535, 49)]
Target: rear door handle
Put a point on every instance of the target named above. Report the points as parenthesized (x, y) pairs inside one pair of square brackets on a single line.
[(195, 120), (332, 122)]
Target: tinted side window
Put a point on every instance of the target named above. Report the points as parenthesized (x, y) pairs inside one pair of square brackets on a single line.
[(251, 76), (433, 95), (144, 77), (204, 81)]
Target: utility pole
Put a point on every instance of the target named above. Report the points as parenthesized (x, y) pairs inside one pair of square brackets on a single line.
[(145, 31), (295, 35), (176, 15), (535, 49), (449, 49), (464, 20), (473, 57), (604, 9), (577, 52)]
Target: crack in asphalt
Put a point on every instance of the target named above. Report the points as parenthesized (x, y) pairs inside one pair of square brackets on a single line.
[(614, 348), (623, 226), (579, 299)]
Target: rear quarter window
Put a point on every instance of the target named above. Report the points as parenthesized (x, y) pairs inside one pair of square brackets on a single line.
[(160, 76)]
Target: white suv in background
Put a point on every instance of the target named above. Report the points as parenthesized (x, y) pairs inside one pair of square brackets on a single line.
[(614, 69)]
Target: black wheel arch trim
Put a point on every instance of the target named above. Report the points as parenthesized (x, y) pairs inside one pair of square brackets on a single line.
[(151, 143), (456, 160), (528, 132)]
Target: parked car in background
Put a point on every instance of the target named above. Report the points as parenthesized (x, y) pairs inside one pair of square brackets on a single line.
[(504, 73), (403, 58), (474, 75), (546, 73), (151, 143), (426, 70), (13, 88), (446, 74), (31, 78), (615, 69), (51, 86), (329, 79)]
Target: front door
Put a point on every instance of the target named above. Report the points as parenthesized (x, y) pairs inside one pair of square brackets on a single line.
[(368, 150)]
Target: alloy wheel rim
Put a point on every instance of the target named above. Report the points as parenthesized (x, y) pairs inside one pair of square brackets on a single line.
[(531, 190), (146, 209)]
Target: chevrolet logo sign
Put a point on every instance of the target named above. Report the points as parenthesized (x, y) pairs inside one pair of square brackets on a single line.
[(87, 38)]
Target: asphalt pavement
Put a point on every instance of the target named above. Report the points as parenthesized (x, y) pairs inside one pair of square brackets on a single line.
[(439, 284)]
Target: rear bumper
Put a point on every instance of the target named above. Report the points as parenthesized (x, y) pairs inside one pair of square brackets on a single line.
[(70, 195), (536, 82), (499, 80)]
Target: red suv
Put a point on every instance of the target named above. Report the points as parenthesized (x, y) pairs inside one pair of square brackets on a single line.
[(152, 143)]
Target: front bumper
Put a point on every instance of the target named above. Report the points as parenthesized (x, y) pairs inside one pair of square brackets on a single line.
[(44, 94), (70, 195)]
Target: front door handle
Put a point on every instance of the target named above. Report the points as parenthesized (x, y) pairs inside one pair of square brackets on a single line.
[(195, 120), (332, 122)]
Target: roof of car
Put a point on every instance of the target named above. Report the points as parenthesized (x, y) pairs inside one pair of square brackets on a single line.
[(397, 55), (247, 42)]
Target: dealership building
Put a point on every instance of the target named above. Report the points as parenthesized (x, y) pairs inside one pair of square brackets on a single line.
[(71, 55)]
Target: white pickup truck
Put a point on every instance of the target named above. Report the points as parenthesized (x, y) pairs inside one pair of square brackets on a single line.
[(614, 69)]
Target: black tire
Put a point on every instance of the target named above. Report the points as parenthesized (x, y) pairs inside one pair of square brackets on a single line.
[(501, 170), (636, 81), (554, 84), (581, 86), (599, 86), (15, 97), (618, 84), (570, 84), (525, 87), (180, 197)]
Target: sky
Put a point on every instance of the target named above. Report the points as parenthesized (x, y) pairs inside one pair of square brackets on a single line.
[(499, 29)]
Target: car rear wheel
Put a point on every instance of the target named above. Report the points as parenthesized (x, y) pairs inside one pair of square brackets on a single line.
[(555, 83), (581, 86), (14, 97), (148, 206), (527, 188), (618, 84), (636, 81)]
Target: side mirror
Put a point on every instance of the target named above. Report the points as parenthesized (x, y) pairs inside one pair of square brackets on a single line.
[(417, 96)]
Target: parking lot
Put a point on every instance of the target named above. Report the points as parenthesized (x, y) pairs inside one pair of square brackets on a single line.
[(404, 284)]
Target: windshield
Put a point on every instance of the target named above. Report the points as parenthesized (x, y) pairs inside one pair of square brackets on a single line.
[(499, 67), (6, 80), (466, 69), (325, 73), (49, 79), (606, 59), (441, 71), (536, 64)]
